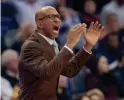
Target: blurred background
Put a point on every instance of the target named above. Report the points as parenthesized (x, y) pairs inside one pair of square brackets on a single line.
[(103, 75)]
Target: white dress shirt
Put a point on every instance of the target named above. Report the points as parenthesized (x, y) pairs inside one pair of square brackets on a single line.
[(50, 41)]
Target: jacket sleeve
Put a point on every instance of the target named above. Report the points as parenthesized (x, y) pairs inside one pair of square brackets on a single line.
[(34, 61), (76, 63)]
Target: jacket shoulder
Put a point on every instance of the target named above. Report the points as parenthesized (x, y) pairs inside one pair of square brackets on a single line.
[(29, 43)]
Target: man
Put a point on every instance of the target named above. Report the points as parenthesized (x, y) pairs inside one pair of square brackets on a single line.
[(41, 63), (9, 60), (23, 34), (118, 74)]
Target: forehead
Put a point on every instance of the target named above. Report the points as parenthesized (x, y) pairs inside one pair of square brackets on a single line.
[(95, 97), (51, 11), (111, 37), (103, 58), (89, 2)]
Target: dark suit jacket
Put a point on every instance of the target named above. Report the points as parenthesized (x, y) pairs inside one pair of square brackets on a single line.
[(39, 68)]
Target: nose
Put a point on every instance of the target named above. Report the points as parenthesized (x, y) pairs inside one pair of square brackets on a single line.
[(57, 20)]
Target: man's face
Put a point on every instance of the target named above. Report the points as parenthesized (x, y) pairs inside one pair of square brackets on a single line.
[(85, 98), (112, 23), (13, 64), (51, 23), (103, 65), (90, 7), (113, 41), (95, 97)]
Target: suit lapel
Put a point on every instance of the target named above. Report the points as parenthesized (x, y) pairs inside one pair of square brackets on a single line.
[(46, 46), (49, 49)]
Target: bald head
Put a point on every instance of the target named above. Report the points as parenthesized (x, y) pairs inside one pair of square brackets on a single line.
[(48, 21), (43, 11)]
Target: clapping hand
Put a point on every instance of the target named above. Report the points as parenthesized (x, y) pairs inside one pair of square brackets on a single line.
[(92, 35), (74, 34)]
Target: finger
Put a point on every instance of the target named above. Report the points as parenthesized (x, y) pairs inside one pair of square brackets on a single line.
[(101, 29), (79, 28), (82, 31), (77, 31), (98, 27), (84, 25), (95, 25), (91, 25), (76, 26)]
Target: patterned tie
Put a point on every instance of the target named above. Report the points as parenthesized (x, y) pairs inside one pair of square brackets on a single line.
[(55, 46)]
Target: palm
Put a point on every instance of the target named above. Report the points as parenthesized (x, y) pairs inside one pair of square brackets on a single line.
[(92, 36)]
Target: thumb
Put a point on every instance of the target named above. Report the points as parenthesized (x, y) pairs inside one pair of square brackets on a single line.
[(84, 32)]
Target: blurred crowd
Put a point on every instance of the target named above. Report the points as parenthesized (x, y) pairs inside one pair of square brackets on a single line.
[(102, 78)]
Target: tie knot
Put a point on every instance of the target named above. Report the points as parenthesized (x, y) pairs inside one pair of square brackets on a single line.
[(55, 44)]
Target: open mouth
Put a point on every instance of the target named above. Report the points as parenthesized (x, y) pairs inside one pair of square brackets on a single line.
[(56, 28)]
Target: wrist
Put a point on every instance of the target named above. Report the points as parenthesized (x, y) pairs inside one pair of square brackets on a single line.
[(69, 46), (88, 47)]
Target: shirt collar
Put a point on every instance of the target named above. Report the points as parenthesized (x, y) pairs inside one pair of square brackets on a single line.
[(12, 74), (50, 41)]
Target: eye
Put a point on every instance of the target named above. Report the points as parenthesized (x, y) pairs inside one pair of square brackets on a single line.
[(54, 16), (49, 16), (58, 16)]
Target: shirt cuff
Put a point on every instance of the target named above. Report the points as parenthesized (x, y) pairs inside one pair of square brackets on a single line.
[(87, 51), (68, 49)]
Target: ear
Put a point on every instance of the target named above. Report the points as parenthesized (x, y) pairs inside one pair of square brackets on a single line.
[(39, 24)]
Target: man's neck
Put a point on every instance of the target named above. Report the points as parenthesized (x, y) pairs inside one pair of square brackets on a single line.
[(43, 33), (49, 40)]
